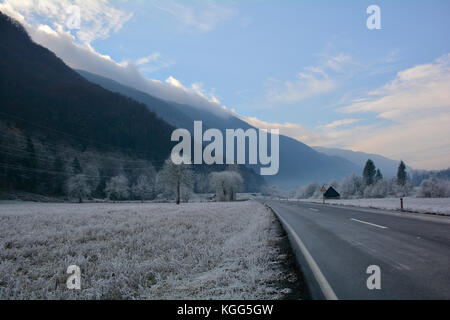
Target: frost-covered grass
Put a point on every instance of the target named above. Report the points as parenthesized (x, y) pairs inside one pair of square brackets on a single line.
[(140, 251), (421, 205)]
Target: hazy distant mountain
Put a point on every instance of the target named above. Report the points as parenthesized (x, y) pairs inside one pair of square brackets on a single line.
[(387, 166), (299, 164)]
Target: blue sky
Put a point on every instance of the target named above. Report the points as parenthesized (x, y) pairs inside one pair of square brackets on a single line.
[(311, 68)]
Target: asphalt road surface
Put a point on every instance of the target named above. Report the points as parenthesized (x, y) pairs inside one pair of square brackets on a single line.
[(337, 244)]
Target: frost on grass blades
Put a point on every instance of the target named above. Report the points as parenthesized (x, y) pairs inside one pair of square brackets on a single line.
[(215, 250), (213, 152)]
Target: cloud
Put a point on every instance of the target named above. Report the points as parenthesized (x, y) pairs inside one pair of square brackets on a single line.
[(339, 123), (153, 62), (98, 17), (412, 119), (416, 106), (312, 81), (84, 57), (413, 112), (203, 16), (417, 92), (292, 130)]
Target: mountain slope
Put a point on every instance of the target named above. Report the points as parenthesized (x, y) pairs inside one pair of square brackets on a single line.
[(299, 164), (38, 88)]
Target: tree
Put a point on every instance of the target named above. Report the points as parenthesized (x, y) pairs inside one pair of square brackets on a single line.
[(173, 176), (401, 174), (369, 173), (379, 189), (143, 188), (378, 176), (78, 187), (76, 166), (226, 184), (352, 187), (434, 188), (312, 190), (117, 188)]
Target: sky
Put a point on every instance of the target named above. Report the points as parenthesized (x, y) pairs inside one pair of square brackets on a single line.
[(312, 69)]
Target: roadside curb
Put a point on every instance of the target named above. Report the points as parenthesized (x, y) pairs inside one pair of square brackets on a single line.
[(320, 288)]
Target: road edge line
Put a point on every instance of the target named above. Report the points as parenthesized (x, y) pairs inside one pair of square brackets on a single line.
[(324, 285)]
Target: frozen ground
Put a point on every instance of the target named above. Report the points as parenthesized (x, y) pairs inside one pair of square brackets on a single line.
[(141, 251), (422, 205)]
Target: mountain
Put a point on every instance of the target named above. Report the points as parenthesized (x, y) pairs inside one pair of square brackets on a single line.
[(299, 164), (39, 89), (54, 122), (388, 167)]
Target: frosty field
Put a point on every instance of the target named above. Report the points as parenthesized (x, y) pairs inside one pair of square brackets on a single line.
[(141, 251), (421, 205)]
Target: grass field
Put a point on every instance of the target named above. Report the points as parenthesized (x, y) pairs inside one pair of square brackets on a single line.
[(141, 251)]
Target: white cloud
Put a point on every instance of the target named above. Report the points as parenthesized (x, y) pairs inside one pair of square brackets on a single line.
[(98, 17), (414, 117), (339, 123), (312, 81), (202, 16), (417, 106), (84, 57), (417, 92), (153, 62)]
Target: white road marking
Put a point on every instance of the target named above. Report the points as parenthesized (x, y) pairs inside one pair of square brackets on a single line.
[(316, 210), (372, 224), (318, 275)]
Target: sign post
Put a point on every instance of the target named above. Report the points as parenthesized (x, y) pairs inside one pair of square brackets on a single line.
[(323, 190)]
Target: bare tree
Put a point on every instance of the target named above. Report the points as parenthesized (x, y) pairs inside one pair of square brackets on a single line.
[(117, 188), (174, 177), (143, 188), (226, 184), (78, 187)]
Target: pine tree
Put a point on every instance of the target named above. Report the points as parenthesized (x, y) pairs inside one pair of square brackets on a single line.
[(401, 174), (369, 173), (378, 176)]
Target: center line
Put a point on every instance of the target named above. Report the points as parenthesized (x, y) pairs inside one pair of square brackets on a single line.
[(372, 224), (314, 209)]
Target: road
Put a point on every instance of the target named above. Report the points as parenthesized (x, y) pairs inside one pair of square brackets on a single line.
[(338, 244)]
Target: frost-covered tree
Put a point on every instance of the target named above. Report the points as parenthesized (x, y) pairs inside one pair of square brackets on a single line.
[(434, 188), (312, 190), (401, 174), (186, 192), (117, 188), (379, 189), (173, 177), (272, 191), (352, 187), (78, 187), (369, 173), (143, 188), (378, 175), (226, 184)]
